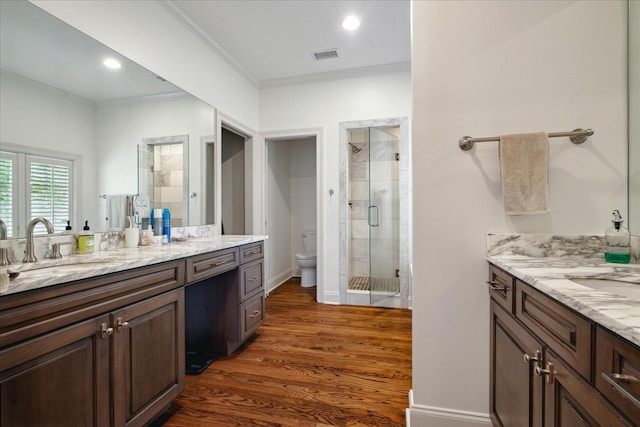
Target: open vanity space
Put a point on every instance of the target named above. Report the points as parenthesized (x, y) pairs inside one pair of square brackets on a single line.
[(106, 339), (565, 333)]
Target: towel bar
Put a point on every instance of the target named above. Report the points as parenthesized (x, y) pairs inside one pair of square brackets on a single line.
[(577, 136)]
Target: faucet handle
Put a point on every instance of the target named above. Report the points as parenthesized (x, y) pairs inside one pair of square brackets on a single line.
[(55, 251)]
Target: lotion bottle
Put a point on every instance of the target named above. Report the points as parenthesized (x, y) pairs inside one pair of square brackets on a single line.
[(617, 241)]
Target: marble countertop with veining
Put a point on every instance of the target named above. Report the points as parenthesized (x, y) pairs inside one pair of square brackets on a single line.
[(548, 263), (50, 272)]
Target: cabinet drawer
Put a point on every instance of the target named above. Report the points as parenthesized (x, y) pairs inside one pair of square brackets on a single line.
[(501, 287), (565, 332), (617, 374), (251, 252), (200, 267), (251, 315), (251, 279)]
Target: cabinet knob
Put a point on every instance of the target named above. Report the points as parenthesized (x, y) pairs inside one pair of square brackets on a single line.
[(122, 325), (549, 372), (535, 358), (105, 331)]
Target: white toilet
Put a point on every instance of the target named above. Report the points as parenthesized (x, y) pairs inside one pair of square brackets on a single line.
[(307, 259)]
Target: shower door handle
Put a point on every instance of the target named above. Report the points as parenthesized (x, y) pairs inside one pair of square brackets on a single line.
[(377, 223)]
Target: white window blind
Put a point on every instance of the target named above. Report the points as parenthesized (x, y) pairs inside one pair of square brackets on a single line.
[(35, 186), (8, 191), (49, 196)]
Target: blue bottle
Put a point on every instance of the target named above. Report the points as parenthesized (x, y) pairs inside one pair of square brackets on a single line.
[(166, 224)]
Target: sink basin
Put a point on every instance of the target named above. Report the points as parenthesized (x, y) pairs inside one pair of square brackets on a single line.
[(617, 287)]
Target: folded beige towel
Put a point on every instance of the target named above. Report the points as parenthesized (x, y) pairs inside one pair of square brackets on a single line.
[(524, 166)]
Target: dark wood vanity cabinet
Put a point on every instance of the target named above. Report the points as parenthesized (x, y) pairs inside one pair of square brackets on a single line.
[(95, 352), (544, 370), (224, 299)]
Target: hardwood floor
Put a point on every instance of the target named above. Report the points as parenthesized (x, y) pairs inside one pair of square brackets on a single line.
[(309, 365)]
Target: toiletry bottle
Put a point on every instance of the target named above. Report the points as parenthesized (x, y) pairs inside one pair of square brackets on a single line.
[(67, 229), (145, 238), (85, 240), (157, 222), (616, 241), (166, 224)]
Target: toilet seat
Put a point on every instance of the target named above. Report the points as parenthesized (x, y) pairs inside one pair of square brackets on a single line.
[(306, 255)]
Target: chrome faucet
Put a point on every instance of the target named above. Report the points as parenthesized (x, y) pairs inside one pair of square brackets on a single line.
[(4, 252), (29, 255)]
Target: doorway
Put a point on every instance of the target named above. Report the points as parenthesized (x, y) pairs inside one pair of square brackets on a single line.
[(232, 179), (291, 205)]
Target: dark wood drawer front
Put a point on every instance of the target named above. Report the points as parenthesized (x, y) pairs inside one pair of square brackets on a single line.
[(252, 315), (250, 279), (251, 252), (617, 374), (200, 267), (565, 332), (501, 288)]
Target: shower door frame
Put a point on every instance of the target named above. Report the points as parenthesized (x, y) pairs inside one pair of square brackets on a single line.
[(404, 244)]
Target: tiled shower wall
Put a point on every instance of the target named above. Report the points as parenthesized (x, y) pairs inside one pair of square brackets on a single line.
[(168, 177), (373, 168)]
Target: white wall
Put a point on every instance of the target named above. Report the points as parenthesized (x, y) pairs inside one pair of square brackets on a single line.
[(145, 32), (120, 127), (278, 246), (487, 68), (324, 105), (39, 116), (303, 195)]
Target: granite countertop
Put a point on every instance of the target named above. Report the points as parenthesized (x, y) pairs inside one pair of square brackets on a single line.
[(51, 272), (548, 263)]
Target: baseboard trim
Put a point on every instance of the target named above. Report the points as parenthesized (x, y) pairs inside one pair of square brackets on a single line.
[(431, 416), (278, 280)]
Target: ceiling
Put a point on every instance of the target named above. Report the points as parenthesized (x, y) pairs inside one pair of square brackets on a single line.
[(270, 42), (273, 40)]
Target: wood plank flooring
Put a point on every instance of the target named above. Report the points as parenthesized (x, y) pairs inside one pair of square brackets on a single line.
[(309, 365)]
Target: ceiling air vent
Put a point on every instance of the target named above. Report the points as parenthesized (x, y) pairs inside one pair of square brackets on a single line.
[(325, 54)]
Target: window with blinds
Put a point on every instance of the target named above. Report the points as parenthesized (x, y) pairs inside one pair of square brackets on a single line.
[(49, 195), (7, 191), (35, 186)]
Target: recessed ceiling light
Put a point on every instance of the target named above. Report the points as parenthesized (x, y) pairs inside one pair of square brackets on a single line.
[(112, 63), (350, 23)]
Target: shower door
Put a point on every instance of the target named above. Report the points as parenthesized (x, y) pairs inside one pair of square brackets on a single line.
[(384, 214)]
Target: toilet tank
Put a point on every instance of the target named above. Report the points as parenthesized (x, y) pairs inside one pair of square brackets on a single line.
[(309, 241)]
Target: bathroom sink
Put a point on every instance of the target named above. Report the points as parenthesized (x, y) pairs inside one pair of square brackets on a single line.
[(617, 287)]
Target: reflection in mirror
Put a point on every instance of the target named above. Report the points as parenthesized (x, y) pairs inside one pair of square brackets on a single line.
[(56, 93), (634, 118), (163, 176)]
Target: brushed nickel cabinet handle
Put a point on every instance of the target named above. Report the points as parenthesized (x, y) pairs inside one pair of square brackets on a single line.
[(613, 379), (105, 331), (535, 358), (496, 286), (549, 372), (122, 325), (254, 278), (255, 314)]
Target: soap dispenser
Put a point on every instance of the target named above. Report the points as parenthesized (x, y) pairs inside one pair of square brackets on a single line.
[(616, 241)]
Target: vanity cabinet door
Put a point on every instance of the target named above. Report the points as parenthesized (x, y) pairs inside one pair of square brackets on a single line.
[(149, 358), (516, 392), (58, 379), (572, 402)]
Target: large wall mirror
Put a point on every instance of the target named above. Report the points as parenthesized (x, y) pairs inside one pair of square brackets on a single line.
[(59, 99), (634, 117)]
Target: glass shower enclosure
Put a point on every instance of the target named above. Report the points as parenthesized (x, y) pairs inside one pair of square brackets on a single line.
[(374, 214)]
